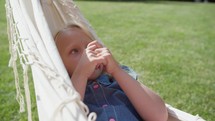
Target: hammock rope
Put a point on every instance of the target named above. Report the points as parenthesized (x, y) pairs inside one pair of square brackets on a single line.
[(24, 47), (15, 48)]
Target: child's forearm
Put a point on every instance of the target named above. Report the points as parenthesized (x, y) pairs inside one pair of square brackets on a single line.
[(149, 105), (79, 82)]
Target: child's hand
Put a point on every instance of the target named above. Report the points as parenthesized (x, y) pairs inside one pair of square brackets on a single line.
[(94, 56), (111, 66), (89, 60)]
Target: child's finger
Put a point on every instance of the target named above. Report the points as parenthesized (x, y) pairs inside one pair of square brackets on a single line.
[(100, 60), (98, 45), (106, 54), (91, 53), (91, 43), (100, 51), (91, 47)]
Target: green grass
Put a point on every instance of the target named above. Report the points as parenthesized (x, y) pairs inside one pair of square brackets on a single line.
[(170, 44)]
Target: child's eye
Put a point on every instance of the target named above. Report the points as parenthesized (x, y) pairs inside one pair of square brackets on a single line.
[(74, 51)]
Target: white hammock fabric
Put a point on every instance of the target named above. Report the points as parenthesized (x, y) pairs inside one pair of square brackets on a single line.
[(31, 27)]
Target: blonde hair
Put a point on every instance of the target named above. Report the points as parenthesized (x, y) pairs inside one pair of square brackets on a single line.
[(86, 31)]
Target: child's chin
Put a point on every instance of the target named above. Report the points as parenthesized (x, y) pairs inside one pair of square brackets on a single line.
[(95, 74)]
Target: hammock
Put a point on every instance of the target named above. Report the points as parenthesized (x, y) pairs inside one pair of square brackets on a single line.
[(31, 27)]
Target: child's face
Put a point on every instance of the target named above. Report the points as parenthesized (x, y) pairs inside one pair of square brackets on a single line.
[(71, 44)]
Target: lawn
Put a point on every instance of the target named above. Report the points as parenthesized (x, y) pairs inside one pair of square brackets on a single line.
[(169, 44)]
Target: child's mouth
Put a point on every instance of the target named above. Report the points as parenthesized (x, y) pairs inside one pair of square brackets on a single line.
[(99, 67), (97, 72)]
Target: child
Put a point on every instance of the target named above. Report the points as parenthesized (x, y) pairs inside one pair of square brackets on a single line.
[(108, 89)]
